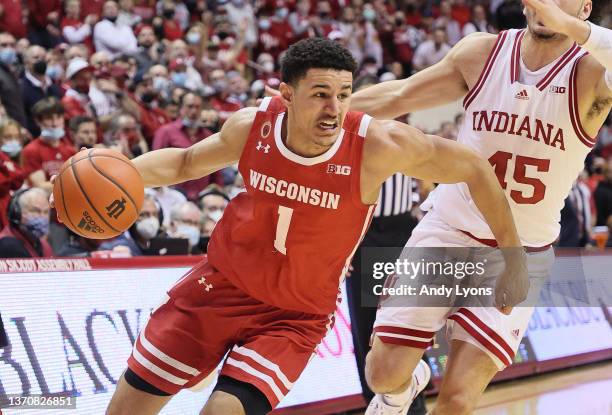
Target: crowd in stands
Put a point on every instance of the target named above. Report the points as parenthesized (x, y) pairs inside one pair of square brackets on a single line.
[(140, 75)]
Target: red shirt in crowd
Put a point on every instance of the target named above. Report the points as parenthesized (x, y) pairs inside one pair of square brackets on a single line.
[(76, 104), (151, 119), (36, 250), (461, 13), (39, 155), (11, 178), (40, 9), (403, 50), (276, 39), (175, 135), (12, 18), (91, 7), (225, 107), (172, 30)]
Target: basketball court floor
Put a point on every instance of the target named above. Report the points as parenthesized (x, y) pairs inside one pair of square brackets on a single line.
[(585, 390)]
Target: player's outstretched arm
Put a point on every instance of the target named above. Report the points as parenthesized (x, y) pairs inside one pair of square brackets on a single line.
[(398, 147), (437, 85), (169, 166), (395, 147)]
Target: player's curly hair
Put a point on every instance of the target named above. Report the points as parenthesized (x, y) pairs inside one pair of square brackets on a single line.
[(318, 53)]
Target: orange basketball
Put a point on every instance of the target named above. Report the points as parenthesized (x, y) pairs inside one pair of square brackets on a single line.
[(98, 193)]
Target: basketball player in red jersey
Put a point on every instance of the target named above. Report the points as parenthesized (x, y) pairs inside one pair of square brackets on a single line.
[(269, 287), (536, 99)]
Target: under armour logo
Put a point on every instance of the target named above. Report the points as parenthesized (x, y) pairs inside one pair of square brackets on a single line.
[(115, 209), (265, 148), (202, 281)]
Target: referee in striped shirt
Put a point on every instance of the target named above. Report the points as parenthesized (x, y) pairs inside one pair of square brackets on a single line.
[(392, 225)]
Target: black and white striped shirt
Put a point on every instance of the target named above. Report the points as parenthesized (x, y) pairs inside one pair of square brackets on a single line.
[(397, 195)]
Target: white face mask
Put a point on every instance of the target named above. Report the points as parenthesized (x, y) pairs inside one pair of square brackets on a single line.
[(215, 215), (190, 232), (148, 228)]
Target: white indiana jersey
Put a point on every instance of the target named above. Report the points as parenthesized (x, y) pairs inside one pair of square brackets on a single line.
[(526, 124)]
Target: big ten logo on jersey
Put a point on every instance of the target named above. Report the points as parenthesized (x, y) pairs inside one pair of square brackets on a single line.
[(339, 169), (557, 89)]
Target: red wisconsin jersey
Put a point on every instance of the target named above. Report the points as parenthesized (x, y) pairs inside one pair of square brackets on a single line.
[(288, 240)]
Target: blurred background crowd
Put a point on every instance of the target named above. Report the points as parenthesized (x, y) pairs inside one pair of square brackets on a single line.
[(140, 75)]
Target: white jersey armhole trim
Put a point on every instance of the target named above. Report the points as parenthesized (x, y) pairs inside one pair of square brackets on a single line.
[(263, 107), (363, 125)]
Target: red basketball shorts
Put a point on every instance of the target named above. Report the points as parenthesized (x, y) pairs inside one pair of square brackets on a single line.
[(205, 317)]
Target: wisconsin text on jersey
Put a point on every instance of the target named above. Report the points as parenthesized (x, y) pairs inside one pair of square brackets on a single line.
[(502, 122), (294, 191)]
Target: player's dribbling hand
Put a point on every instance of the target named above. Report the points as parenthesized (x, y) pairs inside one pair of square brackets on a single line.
[(512, 285)]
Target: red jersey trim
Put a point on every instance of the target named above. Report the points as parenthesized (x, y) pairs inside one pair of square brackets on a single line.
[(515, 59), (573, 107), (471, 95), (567, 57)]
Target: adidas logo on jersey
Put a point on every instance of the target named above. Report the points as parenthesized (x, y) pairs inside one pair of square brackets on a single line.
[(522, 95), (516, 332)]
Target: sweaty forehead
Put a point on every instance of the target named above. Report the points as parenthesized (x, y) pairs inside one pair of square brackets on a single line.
[(331, 78)]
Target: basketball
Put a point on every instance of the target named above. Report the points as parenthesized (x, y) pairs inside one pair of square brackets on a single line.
[(98, 193)]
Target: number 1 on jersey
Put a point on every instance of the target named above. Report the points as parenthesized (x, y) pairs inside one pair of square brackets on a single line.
[(282, 228)]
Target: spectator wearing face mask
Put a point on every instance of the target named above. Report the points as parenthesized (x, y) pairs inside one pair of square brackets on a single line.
[(185, 222), (25, 236), (167, 198), (35, 84), (125, 136), (43, 156), (110, 37), (76, 101), (275, 33), (148, 98), (213, 202), (168, 23), (183, 133), (83, 131), (138, 238), (11, 175), (10, 91), (221, 101)]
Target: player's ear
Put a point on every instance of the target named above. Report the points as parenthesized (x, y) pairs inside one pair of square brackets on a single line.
[(585, 11), (286, 93)]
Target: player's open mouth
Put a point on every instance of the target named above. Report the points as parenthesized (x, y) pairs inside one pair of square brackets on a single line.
[(328, 125)]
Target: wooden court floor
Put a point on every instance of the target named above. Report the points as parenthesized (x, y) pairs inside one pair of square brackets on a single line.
[(584, 390)]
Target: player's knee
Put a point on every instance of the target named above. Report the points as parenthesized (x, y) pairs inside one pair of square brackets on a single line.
[(454, 403), (381, 374), (221, 403)]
